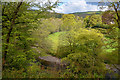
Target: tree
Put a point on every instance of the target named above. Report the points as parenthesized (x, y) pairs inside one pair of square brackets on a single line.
[(83, 65), (82, 51), (95, 19), (81, 40), (9, 21), (115, 6), (86, 21), (108, 17), (47, 27), (70, 22), (18, 19)]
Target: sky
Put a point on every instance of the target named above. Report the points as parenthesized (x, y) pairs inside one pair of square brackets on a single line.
[(71, 6)]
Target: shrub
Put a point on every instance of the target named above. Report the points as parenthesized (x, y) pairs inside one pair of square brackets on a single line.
[(82, 40), (84, 65)]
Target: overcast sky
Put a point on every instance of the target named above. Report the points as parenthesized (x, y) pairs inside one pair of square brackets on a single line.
[(70, 6)]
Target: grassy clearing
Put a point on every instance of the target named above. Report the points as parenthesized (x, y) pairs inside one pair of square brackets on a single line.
[(54, 41)]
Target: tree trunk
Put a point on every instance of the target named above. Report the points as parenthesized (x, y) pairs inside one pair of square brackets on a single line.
[(116, 11), (10, 30)]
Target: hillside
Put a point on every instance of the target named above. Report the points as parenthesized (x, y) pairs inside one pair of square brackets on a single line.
[(81, 14)]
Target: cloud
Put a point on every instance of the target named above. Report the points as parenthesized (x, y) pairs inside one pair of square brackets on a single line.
[(76, 6)]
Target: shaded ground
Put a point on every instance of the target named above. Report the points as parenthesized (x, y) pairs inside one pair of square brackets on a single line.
[(114, 71)]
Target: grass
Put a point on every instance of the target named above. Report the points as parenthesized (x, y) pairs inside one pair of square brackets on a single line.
[(54, 41), (109, 48)]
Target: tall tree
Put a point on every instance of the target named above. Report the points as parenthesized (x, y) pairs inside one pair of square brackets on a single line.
[(17, 19), (113, 5)]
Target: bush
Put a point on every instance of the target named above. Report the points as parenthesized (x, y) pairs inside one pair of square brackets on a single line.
[(84, 65), (82, 40), (82, 51)]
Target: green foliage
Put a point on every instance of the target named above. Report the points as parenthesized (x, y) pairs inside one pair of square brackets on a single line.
[(110, 57), (113, 8), (18, 25), (81, 51), (107, 17), (110, 54), (20, 52), (28, 34), (54, 42), (84, 65), (82, 40), (52, 25), (34, 71), (86, 21), (18, 48), (95, 19), (71, 22), (84, 14), (44, 30)]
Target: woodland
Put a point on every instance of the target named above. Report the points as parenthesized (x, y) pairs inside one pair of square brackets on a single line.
[(44, 44)]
